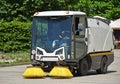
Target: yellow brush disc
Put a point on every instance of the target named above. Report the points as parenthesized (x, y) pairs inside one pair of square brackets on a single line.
[(33, 72), (60, 71)]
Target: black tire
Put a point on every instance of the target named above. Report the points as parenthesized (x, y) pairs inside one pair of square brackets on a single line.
[(103, 66), (83, 67)]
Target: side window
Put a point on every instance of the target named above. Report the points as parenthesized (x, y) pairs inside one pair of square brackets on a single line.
[(80, 26), (76, 26)]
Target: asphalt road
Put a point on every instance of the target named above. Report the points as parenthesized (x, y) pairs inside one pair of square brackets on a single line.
[(13, 75)]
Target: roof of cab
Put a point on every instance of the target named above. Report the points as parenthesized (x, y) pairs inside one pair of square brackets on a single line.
[(58, 13)]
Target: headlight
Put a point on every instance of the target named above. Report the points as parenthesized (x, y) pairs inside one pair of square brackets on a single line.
[(59, 52), (39, 52)]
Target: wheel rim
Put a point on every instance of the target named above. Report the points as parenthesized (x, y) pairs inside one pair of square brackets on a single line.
[(103, 66)]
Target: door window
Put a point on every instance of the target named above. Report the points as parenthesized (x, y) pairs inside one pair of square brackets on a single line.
[(80, 25)]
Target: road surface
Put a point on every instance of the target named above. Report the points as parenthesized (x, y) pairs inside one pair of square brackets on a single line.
[(13, 75)]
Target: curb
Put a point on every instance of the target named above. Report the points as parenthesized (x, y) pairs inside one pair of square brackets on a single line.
[(7, 65)]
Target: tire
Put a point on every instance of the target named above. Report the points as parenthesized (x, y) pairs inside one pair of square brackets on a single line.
[(103, 66), (83, 67)]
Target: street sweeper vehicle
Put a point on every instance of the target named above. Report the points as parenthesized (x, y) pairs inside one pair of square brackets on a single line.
[(67, 43)]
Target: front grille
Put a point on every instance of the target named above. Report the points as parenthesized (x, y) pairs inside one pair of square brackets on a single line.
[(49, 49)]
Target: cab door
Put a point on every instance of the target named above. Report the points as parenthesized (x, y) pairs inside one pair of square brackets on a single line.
[(80, 25)]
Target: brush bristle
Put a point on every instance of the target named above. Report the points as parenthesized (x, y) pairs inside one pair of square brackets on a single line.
[(34, 72), (60, 71)]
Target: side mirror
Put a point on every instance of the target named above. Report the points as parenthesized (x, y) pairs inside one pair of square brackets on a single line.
[(80, 27)]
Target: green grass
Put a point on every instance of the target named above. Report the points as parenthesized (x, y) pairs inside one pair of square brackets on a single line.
[(118, 47), (14, 58)]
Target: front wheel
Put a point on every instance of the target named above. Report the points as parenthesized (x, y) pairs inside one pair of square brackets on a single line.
[(83, 67), (103, 66)]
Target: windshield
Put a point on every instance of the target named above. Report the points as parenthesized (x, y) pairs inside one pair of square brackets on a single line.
[(51, 33)]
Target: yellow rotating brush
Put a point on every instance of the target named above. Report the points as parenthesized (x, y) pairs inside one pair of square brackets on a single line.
[(34, 72), (61, 71)]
